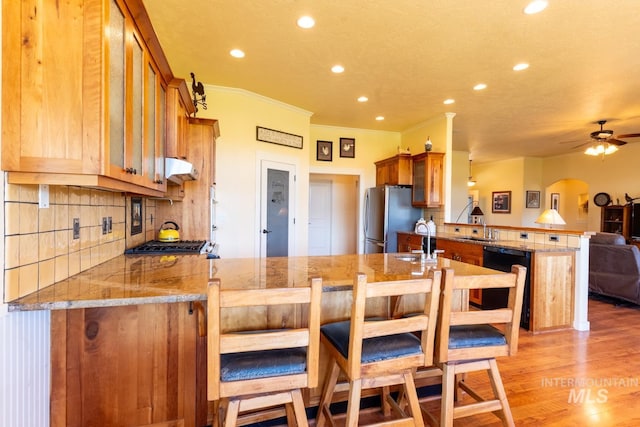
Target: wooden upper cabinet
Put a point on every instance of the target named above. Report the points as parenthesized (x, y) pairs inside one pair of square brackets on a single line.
[(179, 108), (88, 85), (428, 169), (394, 170)]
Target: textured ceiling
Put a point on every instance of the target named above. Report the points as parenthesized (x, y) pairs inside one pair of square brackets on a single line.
[(407, 56)]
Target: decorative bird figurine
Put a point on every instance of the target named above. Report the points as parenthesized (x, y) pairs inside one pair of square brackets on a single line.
[(198, 89)]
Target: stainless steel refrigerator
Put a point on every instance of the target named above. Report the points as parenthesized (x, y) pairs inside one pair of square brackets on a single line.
[(387, 210)]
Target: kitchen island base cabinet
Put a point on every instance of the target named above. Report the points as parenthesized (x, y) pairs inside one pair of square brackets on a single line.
[(552, 291), (128, 366), (469, 253)]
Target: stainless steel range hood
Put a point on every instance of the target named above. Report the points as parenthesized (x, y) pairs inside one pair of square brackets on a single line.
[(177, 171)]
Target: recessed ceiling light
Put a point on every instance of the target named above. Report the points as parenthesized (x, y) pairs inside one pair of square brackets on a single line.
[(363, 99), (520, 67), (306, 22), (237, 53), (480, 86), (380, 118), (449, 101), (337, 69), (536, 6)]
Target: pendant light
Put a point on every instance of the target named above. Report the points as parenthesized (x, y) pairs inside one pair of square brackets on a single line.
[(471, 182)]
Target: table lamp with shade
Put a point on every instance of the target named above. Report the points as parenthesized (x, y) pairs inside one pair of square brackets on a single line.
[(550, 217)]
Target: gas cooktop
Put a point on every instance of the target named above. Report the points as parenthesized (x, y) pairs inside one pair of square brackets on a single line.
[(156, 247)]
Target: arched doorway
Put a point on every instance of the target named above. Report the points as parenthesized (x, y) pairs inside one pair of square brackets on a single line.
[(571, 198)]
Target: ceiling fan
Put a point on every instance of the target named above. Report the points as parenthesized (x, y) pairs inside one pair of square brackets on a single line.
[(602, 140)]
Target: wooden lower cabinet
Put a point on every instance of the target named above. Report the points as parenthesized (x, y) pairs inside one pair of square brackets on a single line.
[(408, 242), (552, 290), (469, 253), (138, 365), (552, 278)]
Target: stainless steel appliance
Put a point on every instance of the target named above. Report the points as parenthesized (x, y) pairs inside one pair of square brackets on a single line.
[(184, 247), (387, 210)]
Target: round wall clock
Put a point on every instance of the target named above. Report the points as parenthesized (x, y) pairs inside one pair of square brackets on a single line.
[(601, 199)]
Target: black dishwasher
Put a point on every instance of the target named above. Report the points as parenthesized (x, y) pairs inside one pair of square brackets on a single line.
[(502, 259)]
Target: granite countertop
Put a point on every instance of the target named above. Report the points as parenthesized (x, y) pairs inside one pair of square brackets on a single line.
[(510, 244), (144, 279)]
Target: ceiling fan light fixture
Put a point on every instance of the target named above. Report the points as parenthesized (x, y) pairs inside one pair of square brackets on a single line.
[(601, 149)]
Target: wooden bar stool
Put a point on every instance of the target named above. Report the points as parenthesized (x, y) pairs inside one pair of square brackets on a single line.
[(379, 353), (469, 341), (253, 370)]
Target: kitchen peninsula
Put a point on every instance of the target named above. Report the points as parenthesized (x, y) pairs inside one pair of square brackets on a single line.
[(549, 302), (128, 336)]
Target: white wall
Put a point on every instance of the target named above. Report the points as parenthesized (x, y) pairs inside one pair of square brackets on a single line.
[(371, 146), (616, 175), (238, 156)]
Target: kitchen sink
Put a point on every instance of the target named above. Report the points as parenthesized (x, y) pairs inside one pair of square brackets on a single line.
[(410, 258), (478, 239)]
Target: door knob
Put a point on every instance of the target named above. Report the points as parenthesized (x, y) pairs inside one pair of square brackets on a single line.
[(264, 231)]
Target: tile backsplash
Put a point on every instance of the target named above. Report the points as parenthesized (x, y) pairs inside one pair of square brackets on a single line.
[(40, 248)]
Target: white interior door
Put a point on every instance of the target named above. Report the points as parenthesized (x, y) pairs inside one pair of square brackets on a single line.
[(277, 208), (320, 208)]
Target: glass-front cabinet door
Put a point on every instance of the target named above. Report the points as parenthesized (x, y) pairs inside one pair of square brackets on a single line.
[(137, 104), (117, 78), (135, 147), (427, 180)]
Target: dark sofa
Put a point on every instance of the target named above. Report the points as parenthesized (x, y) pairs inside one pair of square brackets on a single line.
[(614, 267)]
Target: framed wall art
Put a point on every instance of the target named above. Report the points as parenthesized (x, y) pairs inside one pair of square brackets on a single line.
[(136, 215), (324, 151), (533, 199), (348, 147), (555, 201), (278, 137), (501, 202)]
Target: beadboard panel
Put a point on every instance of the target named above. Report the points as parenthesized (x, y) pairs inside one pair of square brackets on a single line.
[(24, 368)]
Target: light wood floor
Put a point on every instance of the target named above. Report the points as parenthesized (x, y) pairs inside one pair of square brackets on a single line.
[(538, 380)]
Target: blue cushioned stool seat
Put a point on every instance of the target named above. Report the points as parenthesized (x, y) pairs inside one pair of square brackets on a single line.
[(373, 349), (475, 336), (262, 364)]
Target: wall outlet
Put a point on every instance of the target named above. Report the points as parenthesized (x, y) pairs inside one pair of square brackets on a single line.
[(457, 229), (524, 235), (474, 231), (554, 238), (109, 224), (104, 225), (43, 195), (76, 228)]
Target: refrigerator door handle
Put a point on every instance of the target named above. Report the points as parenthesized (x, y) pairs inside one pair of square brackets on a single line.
[(366, 213)]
